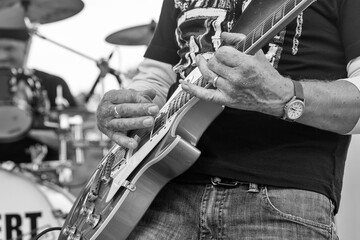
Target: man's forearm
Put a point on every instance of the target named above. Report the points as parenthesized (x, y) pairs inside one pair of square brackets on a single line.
[(333, 106)]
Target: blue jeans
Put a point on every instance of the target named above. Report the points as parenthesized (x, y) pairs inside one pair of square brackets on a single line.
[(186, 211)]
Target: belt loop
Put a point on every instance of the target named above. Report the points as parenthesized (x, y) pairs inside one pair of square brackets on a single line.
[(253, 188)]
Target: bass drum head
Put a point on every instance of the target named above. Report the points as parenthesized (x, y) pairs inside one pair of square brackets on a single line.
[(14, 123), (29, 207)]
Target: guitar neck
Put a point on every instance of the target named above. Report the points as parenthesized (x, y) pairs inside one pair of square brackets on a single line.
[(285, 11)]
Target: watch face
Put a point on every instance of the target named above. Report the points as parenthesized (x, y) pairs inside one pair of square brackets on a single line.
[(295, 110)]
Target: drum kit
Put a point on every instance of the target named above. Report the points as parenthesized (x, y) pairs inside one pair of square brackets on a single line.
[(37, 195)]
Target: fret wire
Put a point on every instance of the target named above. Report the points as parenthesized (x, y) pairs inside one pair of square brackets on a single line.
[(240, 46), (289, 6)]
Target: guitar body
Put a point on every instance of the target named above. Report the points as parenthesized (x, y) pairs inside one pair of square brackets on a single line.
[(174, 154), (127, 181)]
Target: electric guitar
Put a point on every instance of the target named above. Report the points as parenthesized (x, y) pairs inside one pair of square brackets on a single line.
[(126, 181)]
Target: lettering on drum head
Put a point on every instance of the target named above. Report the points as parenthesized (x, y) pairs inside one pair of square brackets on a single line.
[(20, 226)]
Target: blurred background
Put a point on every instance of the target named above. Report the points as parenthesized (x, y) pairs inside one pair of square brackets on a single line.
[(73, 47), (86, 32)]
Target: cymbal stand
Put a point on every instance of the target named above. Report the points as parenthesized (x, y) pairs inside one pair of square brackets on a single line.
[(104, 68), (102, 63)]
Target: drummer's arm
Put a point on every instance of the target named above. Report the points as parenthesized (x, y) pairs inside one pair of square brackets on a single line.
[(154, 75)]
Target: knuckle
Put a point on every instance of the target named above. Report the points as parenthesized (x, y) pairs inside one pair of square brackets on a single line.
[(144, 108), (211, 63), (122, 109), (120, 124)]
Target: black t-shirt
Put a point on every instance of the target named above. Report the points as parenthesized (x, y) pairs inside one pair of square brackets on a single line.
[(18, 151), (254, 147)]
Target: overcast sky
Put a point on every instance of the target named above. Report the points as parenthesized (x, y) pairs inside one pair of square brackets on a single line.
[(86, 33)]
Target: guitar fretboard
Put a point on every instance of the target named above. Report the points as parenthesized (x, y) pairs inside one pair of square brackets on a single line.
[(267, 25)]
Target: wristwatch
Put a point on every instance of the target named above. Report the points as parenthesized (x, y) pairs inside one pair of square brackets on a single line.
[(296, 106)]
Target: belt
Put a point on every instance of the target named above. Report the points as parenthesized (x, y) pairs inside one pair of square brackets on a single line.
[(217, 181)]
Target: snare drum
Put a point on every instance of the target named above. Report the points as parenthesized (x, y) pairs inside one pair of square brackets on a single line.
[(29, 206), (21, 98)]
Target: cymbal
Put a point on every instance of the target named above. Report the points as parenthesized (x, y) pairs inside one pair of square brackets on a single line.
[(45, 11), (137, 35)]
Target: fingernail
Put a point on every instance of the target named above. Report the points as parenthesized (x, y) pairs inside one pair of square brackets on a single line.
[(148, 122), (132, 144), (153, 109)]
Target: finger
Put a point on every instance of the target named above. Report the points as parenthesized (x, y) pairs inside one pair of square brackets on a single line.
[(207, 74), (126, 110), (260, 56), (127, 124), (202, 93), (229, 56), (231, 38), (218, 68), (121, 139)]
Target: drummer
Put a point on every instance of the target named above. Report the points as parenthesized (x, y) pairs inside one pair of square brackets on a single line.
[(13, 49)]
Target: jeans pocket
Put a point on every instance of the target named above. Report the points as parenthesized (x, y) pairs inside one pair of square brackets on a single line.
[(300, 206)]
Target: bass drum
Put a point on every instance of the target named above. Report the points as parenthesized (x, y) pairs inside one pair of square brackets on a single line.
[(22, 99), (29, 206)]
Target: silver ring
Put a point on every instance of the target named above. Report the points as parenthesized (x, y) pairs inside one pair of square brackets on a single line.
[(215, 80), (116, 115)]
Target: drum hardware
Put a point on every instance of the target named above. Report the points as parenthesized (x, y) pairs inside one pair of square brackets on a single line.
[(137, 35), (104, 68), (72, 143), (38, 153), (60, 101), (77, 132)]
